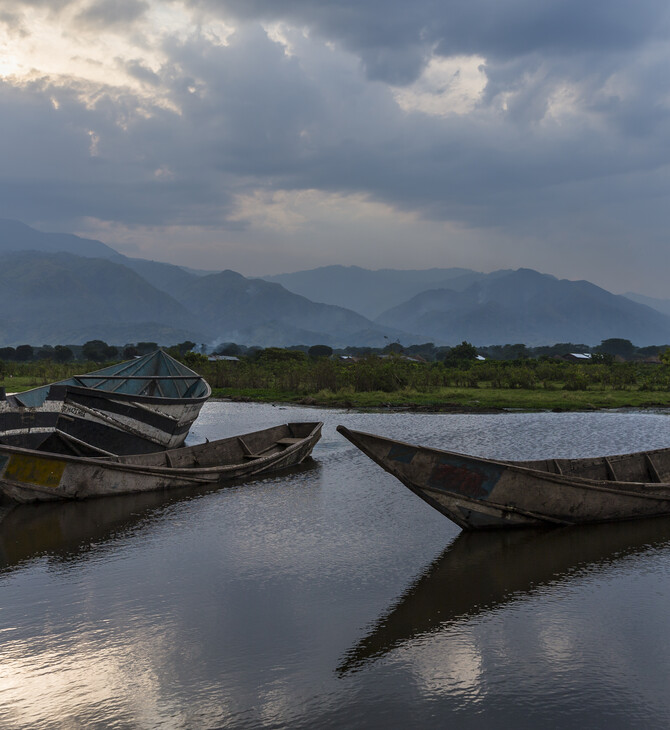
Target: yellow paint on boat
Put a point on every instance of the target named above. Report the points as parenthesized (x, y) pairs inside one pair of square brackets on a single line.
[(35, 470)]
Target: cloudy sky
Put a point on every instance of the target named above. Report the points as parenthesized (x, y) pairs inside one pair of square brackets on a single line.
[(269, 136)]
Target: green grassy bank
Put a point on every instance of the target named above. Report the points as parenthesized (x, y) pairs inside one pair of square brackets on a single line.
[(285, 376), (459, 399)]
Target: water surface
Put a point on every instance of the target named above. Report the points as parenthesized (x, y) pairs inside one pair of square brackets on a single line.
[(330, 596)]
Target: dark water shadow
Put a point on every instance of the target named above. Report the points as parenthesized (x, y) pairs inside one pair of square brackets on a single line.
[(68, 530), (481, 571)]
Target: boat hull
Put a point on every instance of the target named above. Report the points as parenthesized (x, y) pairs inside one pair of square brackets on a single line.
[(118, 424), (27, 475), (479, 494), (108, 413)]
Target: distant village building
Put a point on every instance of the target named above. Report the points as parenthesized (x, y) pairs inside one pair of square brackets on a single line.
[(576, 357), (400, 356), (220, 358)]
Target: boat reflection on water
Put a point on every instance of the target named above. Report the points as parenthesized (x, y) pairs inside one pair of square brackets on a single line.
[(481, 571), (63, 530), (66, 530)]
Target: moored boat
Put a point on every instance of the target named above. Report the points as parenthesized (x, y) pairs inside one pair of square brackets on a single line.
[(27, 475), (134, 407), (478, 493)]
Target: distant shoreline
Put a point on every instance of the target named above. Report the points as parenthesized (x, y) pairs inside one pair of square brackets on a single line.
[(516, 401)]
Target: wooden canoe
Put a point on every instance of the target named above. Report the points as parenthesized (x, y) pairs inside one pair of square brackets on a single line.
[(481, 493), (27, 475), (133, 407)]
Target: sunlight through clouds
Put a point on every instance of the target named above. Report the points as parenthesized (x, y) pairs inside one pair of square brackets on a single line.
[(81, 47), (288, 211), (447, 86)]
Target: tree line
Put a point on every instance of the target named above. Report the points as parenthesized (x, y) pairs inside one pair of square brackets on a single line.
[(99, 351), (307, 370), (296, 371), (92, 351), (610, 348)]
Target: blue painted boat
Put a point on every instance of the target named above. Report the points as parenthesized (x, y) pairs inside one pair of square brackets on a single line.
[(139, 406)]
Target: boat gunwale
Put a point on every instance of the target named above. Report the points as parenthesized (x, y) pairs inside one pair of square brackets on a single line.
[(116, 395), (110, 462)]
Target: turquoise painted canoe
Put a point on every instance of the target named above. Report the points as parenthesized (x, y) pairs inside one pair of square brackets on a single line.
[(137, 406)]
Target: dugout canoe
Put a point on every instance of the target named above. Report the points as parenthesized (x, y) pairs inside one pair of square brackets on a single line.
[(479, 494), (27, 475), (138, 406)]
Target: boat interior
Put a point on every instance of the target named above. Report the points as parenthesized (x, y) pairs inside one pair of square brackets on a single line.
[(642, 467), (233, 450)]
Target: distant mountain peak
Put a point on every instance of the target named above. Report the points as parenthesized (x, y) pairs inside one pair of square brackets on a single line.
[(17, 236)]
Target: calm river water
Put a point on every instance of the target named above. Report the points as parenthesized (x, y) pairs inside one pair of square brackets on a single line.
[(332, 597)]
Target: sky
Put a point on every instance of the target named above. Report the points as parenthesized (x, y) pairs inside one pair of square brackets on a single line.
[(268, 136)]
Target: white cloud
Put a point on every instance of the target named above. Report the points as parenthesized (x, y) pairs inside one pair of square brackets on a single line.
[(447, 86)]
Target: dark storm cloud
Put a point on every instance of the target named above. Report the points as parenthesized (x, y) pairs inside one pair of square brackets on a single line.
[(111, 13), (394, 39), (73, 162), (12, 11), (389, 38), (263, 117), (141, 72), (86, 151), (571, 133), (252, 117)]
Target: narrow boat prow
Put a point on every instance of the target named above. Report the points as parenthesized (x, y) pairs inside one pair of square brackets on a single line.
[(478, 493)]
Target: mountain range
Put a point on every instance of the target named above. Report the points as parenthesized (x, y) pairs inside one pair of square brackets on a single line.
[(64, 289), (371, 293)]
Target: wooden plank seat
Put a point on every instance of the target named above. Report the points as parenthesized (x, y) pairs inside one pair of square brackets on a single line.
[(283, 442)]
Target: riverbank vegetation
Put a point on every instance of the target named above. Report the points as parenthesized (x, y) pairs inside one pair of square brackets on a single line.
[(478, 385), (459, 381)]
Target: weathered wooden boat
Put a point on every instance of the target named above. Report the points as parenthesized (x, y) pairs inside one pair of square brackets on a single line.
[(27, 475), (479, 493), (134, 407)]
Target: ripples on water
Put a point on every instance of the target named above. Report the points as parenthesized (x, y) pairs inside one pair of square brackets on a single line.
[(331, 596)]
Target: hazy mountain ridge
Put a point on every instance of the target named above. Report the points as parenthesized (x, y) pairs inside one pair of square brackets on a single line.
[(370, 292), (660, 305), (50, 298), (166, 277), (529, 307), (262, 312), (17, 236), (94, 292)]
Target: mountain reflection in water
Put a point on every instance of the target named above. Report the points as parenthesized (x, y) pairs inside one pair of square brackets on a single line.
[(481, 571)]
